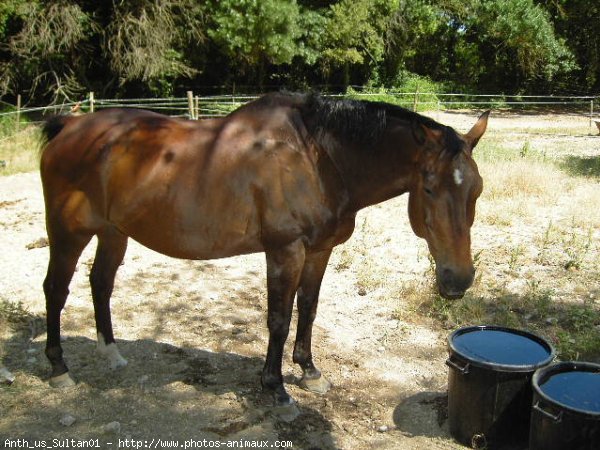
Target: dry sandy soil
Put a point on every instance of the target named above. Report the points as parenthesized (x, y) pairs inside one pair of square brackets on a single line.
[(194, 333)]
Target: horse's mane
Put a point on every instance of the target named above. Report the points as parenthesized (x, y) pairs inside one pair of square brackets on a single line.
[(365, 122), (354, 121)]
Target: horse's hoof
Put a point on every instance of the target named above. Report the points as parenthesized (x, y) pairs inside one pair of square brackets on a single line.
[(111, 353), (62, 381), (319, 385), (5, 376), (287, 412), (117, 361)]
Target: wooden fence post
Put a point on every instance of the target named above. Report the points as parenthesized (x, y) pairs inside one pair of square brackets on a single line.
[(91, 102), (190, 97), (416, 101), (18, 122), (591, 113), (197, 107)]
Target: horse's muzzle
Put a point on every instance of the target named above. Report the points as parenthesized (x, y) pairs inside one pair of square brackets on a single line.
[(452, 285)]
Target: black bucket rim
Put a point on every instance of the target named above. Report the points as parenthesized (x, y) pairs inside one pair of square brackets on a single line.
[(560, 367), (497, 366)]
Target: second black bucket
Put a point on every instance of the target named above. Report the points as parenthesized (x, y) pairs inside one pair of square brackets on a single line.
[(565, 414), (489, 384)]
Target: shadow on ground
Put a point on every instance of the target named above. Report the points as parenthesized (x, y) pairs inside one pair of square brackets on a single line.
[(165, 392), (423, 414)]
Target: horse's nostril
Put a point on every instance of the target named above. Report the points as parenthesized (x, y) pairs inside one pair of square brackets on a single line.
[(453, 281), (447, 276)]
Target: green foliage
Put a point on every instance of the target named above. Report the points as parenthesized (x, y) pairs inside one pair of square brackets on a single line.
[(313, 26), (355, 31), (580, 333), (257, 32), (46, 47), (520, 28), (578, 22), (147, 43), (355, 34), (407, 90), (583, 166), (9, 10), (60, 49), (503, 44)]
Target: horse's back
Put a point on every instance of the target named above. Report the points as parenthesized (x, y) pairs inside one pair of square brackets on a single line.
[(185, 188), (71, 141)]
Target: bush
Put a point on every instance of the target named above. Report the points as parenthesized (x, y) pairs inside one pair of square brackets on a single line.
[(404, 89)]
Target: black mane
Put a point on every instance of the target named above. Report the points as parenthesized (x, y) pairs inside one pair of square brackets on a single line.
[(363, 122)]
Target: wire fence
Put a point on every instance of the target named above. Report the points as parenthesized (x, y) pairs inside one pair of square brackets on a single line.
[(197, 107)]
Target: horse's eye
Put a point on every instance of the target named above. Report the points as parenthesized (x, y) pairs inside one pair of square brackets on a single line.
[(429, 192)]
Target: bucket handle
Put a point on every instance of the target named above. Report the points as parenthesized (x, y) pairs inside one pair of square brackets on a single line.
[(462, 369), (555, 418)]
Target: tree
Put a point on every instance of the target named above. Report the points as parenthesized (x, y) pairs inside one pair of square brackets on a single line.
[(57, 49), (255, 33), (47, 49), (578, 22), (147, 41), (522, 37), (355, 34), (504, 44), (62, 48)]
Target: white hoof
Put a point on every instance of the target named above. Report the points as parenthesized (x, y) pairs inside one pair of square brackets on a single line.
[(111, 353), (5, 376), (116, 361), (319, 385), (62, 381)]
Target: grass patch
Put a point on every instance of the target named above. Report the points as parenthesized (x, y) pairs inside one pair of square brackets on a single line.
[(573, 328), (514, 188), (579, 334), (582, 166), (522, 178), (14, 315), (19, 151)]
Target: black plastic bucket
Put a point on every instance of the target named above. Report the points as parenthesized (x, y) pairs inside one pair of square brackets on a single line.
[(566, 407), (489, 384)]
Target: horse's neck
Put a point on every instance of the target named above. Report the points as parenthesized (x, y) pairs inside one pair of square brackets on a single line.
[(372, 176)]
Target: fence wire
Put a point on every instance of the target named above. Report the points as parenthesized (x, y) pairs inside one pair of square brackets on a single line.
[(205, 107)]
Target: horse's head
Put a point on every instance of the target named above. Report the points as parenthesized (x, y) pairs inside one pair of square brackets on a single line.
[(442, 201)]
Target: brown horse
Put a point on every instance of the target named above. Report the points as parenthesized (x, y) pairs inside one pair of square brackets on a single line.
[(285, 175)]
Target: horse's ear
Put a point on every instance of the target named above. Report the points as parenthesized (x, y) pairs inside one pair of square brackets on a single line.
[(478, 129), (418, 132), (422, 133)]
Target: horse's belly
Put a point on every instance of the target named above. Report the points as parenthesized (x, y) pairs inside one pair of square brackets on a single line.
[(194, 231), (200, 244)]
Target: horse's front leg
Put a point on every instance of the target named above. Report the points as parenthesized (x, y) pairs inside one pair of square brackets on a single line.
[(284, 267), (308, 298)]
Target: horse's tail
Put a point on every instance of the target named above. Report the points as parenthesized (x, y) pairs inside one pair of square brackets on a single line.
[(51, 128)]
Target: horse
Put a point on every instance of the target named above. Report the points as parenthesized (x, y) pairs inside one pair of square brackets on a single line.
[(285, 175)]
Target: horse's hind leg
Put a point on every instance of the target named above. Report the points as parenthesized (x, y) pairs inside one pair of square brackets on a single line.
[(109, 254), (65, 249), (308, 298)]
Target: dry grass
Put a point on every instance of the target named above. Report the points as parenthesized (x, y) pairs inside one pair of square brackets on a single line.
[(19, 152), (523, 178)]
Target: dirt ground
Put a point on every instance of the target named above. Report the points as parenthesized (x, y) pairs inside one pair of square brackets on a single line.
[(194, 333)]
